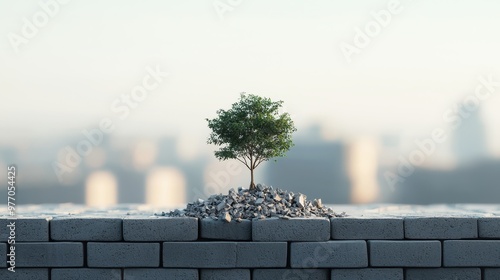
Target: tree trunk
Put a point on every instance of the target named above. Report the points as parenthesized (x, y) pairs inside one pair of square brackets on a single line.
[(252, 184)]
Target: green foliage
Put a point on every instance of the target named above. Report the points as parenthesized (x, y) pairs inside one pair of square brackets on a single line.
[(252, 131)]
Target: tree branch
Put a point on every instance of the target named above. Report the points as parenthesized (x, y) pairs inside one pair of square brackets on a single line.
[(262, 160), (251, 162), (255, 162), (244, 162)]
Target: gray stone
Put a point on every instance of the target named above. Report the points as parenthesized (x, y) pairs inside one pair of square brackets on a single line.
[(160, 229), (85, 274), (491, 274), (86, 229), (300, 200), (330, 254), (199, 254), (318, 203), (159, 273), (368, 273), (49, 254), (25, 274), (489, 227), (118, 254), (221, 206), (296, 229), (440, 228), (28, 229), (262, 202), (287, 273), (224, 274), (219, 230), (261, 254), (443, 273), (367, 228), (471, 253), (405, 253)]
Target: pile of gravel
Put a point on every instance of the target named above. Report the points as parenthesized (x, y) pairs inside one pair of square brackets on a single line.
[(259, 203)]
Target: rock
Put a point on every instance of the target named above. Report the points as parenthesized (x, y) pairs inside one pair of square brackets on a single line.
[(227, 217), (300, 200), (260, 203), (317, 203), (221, 206)]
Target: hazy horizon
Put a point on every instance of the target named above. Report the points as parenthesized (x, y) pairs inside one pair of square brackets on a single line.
[(427, 59)]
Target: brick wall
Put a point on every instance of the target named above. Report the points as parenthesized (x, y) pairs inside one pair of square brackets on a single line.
[(366, 245)]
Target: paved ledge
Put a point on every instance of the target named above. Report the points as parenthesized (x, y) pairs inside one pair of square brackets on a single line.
[(389, 242)]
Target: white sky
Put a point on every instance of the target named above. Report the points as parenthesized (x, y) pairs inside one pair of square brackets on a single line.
[(428, 58)]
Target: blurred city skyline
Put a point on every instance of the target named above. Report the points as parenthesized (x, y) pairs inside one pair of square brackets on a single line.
[(166, 172)]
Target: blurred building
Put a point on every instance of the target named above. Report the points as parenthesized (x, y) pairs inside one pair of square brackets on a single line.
[(473, 183), (475, 179), (314, 167), (469, 139), (362, 166)]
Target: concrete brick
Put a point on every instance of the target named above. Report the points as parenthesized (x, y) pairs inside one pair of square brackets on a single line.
[(85, 274), (404, 253), (28, 229), (220, 230), (86, 229), (281, 274), (440, 228), (491, 274), (101, 254), (368, 273), (224, 274), (330, 254), (471, 253), (489, 227), (49, 254), (295, 229), (3, 256), (367, 228), (261, 254), (199, 254), (443, 273), (25, 274), (159, 273), (160, 229)]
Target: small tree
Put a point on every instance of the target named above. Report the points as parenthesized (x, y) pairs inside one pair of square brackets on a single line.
[(252, 131)]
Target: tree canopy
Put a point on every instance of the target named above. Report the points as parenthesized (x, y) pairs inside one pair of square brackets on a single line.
[(252, 131)]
